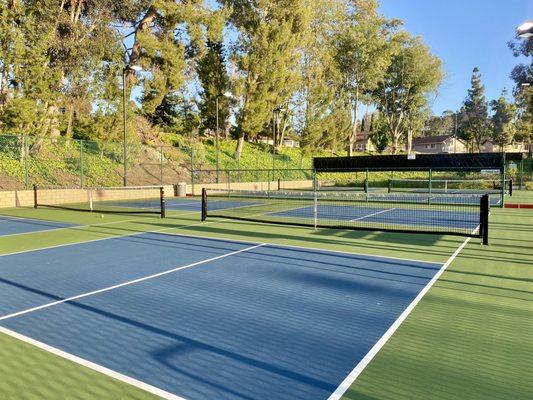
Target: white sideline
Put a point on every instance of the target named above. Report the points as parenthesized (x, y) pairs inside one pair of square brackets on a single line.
[(105, 238), (371, 215), (81, 226), (358, 369), (128, 283), (95, 367)]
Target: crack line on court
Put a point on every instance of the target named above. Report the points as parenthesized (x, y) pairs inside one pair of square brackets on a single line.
[(128, 283)]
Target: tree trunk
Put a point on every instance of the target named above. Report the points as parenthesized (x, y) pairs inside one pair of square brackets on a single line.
[(353, 136), (240, 145), (70, 122), (395, 138)]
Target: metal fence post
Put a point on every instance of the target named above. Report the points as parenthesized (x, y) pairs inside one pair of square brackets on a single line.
[(81, 164), (161, 163), (26, 152)]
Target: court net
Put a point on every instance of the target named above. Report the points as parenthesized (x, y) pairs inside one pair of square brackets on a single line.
[(458, 186), (464, 215), (113, 200)]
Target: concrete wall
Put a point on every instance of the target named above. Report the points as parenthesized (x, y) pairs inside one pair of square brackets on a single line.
[(24, 198), (305, 184)]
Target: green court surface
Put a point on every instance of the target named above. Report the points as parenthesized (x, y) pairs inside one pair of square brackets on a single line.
[(470, 337)]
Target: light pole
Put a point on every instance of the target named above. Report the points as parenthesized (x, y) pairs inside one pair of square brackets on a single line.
[(525, 31), (134, 68), (275, 121), (227, 95)]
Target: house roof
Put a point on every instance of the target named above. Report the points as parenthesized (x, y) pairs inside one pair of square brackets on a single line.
[(431, 139)]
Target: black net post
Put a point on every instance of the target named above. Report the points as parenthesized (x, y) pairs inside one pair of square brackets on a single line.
[(484, 219), (510, 187), (389, 186), (279, 184), (204, 204), (162, 202), (35, 196)]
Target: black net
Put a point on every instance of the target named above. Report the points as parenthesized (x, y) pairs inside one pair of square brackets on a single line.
[(455, 214), (119, 200)]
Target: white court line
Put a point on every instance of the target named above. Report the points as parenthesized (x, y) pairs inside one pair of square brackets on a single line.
[(11, 217), (354, 374), (289, 246), (95, 367), (105, 238), (371, 215), (128, 283), (83, 226)]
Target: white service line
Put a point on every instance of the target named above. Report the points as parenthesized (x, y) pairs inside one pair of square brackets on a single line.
[(371, 215), (132, 282), (106, 238), (89, 364), (82, 226), (358, 369)]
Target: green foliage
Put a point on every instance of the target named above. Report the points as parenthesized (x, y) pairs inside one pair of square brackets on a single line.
[(379, 132), (412, 76), (475, 123), (361, 54), (503, 120), (215, 82)]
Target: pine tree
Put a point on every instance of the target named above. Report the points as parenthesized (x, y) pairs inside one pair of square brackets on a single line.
[(476, 124), (503, 120), (214, 79)]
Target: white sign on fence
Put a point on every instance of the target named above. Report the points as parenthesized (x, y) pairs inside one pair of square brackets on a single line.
[(490, 171)]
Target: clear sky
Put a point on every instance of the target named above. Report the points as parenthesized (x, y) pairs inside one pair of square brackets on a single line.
[(465, 34)]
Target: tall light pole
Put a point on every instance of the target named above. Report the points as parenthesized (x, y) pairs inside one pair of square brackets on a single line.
[(525, 31), (227, 95), (275, 121), (134, 68)]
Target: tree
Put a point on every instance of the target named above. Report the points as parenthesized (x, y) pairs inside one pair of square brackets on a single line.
[(522, 75), (413, 74), (503, 120), (362, 55), (440, 125), (475, 124), (321, 118), (214, 79), (379, 132), (266, 56)]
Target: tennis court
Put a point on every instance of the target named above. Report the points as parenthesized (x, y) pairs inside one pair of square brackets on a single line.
[(10, 225), (187, 308), (243, 309)]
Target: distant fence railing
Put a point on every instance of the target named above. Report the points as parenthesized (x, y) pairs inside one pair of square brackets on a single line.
[(29, 160)]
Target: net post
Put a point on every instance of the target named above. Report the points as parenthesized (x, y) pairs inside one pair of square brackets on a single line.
[(162, 201), (484, 219), (315, 209), (204, 204), (90, 192), (279, 184), (81, 164), (161, 159), (511, 187), (503, 172), (389, 185), (35, 196), (430, 187)]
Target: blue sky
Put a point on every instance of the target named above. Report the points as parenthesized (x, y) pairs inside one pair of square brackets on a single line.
[(465, 34)]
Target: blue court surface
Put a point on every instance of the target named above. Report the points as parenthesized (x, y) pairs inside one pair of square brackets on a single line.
[(387, 216), (14, 225), (195, 204), (221, 320)]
